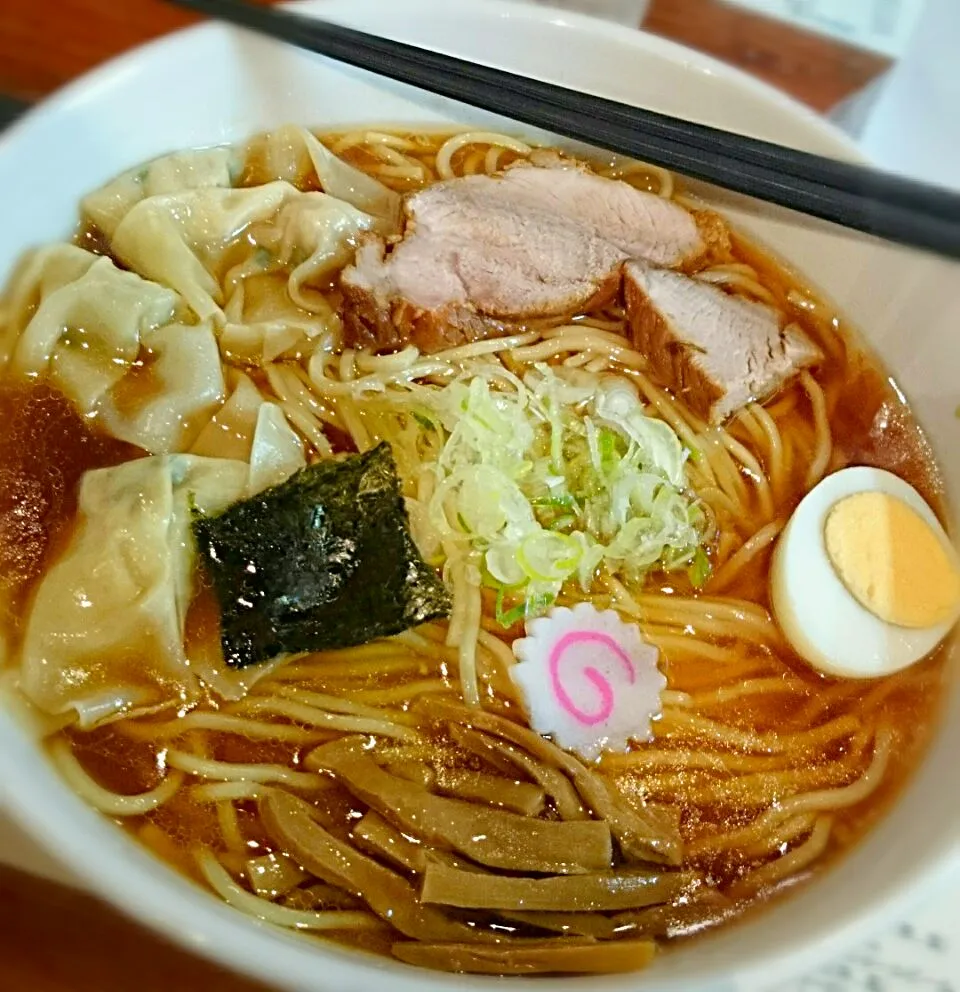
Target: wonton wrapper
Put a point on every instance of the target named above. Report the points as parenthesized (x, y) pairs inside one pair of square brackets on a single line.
[(89, 319), (209, 167), (264, 324), (181, 385), (38, 274), (229, 434), (104, 636), (105, 338), (277, 450), (291, 153), (318, 233), (263, 343), (270, 314), (249, 428), (273, 312), (178, 239)]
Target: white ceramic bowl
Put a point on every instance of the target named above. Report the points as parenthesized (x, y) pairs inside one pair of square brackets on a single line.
[(212, 85)]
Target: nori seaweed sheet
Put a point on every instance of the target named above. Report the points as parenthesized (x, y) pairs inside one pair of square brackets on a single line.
[(323, 561)]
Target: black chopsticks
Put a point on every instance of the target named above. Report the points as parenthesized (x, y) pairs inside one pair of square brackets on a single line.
[(853, 196)]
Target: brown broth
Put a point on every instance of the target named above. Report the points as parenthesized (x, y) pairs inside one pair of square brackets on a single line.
[(45, 448)]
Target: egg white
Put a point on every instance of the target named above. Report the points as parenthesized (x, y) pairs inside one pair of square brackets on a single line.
[(820, 618)]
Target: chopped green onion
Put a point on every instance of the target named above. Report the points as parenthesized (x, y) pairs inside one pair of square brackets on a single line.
[(424, 421), (547, 479), (508, 617), (536, 605), (700, 569)]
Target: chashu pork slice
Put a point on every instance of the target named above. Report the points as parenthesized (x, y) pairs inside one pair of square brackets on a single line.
[(482, 255), (471, 267), (715, 351), (643, 225)]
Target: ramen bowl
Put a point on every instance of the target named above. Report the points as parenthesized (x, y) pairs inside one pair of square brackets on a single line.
[(213, 85)]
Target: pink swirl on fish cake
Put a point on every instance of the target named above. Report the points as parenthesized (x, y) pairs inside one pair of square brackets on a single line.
[(588, 679), (595, 677)]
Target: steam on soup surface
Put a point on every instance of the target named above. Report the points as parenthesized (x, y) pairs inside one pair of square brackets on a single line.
[(388, 528)]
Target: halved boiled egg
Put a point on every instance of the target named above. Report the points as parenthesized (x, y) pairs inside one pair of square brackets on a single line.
[(864, 580)]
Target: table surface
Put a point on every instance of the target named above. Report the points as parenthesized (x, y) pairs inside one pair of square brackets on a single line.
[(86, 946)]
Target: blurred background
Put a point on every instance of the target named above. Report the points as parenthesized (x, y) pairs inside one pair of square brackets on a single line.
[(882, 69), (821, 51), (885, 70)]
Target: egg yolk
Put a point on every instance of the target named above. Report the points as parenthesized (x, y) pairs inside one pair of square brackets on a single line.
[(891, 561)]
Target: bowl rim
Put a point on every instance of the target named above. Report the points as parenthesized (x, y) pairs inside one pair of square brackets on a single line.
[(181, 911)]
